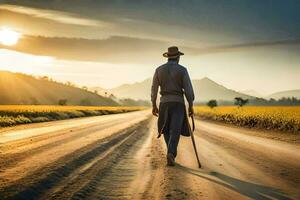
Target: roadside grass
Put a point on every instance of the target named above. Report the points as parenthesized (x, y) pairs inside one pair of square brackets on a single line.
[(279, 118), (11, 115)]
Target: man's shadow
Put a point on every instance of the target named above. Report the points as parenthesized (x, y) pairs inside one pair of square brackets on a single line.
[(251, 190)]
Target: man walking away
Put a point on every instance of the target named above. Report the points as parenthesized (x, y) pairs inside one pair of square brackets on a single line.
[(174, 82)]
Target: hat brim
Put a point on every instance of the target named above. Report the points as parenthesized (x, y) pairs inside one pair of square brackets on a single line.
[(166, 55)]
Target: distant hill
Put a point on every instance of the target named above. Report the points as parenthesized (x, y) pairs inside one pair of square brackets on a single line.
[(135, 91), (16, 88), (138, 90), (287, 93), (252, 93), (205, 89)]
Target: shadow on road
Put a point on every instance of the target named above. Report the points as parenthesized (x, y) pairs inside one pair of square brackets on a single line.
[(251, 190)]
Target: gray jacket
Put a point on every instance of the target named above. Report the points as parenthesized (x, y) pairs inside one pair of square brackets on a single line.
[(174, 81)]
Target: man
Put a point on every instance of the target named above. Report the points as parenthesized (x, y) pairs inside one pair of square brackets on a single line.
[(174, 82)]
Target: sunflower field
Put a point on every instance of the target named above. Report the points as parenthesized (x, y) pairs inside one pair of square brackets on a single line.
[(281, 118), (19, 114)]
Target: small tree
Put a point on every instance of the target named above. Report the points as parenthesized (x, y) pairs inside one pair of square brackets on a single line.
[(239, 101), (212, 103), (45, 78), (84, 88), (62, 102)]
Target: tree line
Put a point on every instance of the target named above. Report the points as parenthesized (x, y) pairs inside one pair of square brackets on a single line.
[(284, 101)]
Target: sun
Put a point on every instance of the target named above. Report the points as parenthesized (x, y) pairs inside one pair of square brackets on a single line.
[(9, 37)]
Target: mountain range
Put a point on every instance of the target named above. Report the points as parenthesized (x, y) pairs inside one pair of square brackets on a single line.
[(16, 88), (205, 89)]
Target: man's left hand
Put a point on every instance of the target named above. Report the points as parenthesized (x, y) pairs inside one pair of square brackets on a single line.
[(155, 111)]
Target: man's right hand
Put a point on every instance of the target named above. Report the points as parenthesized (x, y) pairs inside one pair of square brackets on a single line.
[(191, 111), (155, 111)]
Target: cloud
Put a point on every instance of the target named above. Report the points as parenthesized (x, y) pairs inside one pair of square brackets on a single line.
[(122, 49), (116, 49), (58, 16), (241, 47), (36, 24), (197, 24)]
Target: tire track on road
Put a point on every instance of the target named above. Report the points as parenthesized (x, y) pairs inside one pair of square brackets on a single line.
[(34, 162), (37, 184), (42, 143)]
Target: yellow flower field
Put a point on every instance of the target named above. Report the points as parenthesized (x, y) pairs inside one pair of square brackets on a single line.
[(20, 114), (282, 118)]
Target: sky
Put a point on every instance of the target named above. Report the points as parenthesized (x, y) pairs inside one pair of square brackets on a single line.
[(241, 44)]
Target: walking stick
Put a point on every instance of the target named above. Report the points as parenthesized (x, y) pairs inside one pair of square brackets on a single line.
[(193, 140)]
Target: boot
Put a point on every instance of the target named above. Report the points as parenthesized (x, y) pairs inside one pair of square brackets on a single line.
[(170, 160)]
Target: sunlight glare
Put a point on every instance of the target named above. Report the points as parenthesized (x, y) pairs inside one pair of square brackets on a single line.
[(9, 37)]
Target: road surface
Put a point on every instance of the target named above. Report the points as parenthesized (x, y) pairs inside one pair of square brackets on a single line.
[(118, 157)]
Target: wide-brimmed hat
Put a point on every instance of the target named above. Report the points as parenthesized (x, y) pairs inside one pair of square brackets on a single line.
[(173, 52)]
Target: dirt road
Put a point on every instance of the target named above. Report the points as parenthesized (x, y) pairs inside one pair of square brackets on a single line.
[(119, 157)]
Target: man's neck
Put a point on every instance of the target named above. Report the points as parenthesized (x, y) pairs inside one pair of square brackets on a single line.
[(173, 61)]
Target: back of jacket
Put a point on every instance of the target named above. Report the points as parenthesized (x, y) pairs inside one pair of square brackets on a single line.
[(174, 81)]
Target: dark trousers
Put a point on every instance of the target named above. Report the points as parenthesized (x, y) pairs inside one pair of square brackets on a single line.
[(175, 116)]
